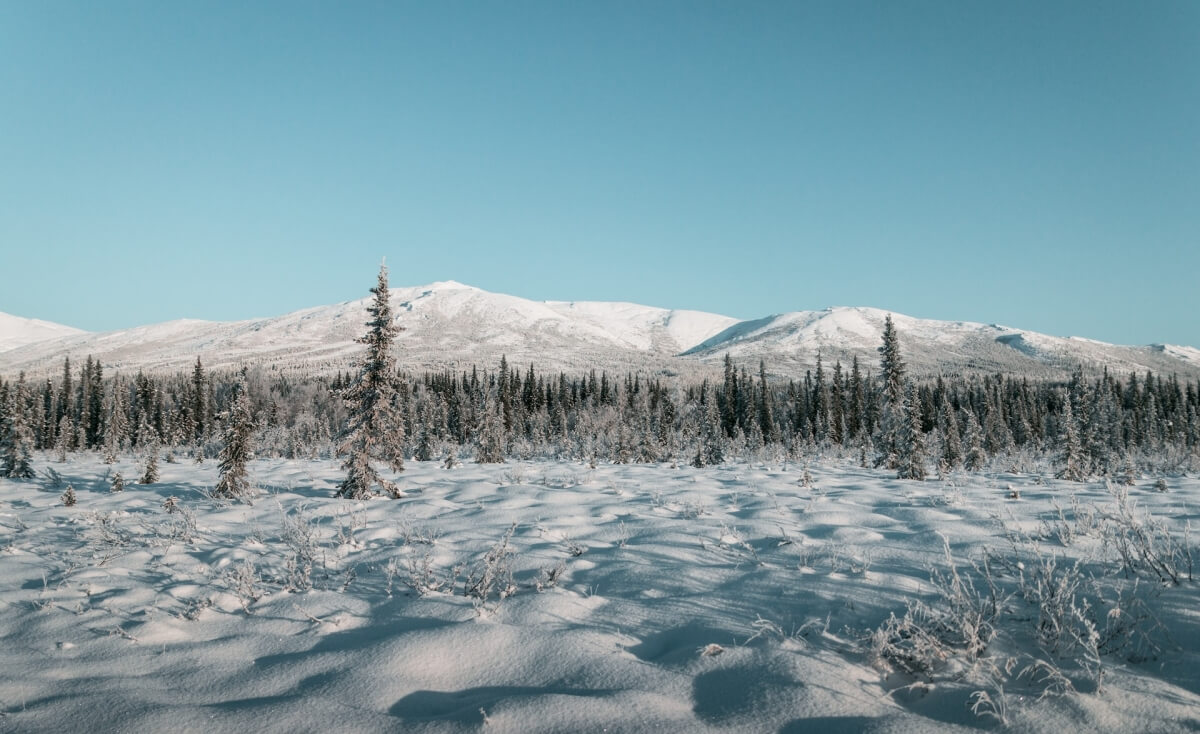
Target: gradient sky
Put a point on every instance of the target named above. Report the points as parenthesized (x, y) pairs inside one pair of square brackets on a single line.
[(1035, 164)]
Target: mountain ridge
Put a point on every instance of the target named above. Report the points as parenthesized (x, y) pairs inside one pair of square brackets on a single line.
[(450, 325)]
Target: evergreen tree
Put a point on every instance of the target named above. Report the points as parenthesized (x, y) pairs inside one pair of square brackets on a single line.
[(766, 406), (16, 435), (711, 445), (646, 438), (426, 450), (116, 422), (150, 473), (374, 427), (237, 448), (667, 415), (502, 394), (729, 398), (95, 404), (199, 403), (65, 394), (491, 433), (891, 364), (952, 450), (1071, 448), (46, 423), (976, 456), (910, 459), (856, 420), (83, 398), (997, 438), (895, 406), (820, 404), (62, 444), (837, 412)]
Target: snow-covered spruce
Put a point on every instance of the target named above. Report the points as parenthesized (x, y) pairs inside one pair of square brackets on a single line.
[(374, 428), (237, 447), (16, 436)]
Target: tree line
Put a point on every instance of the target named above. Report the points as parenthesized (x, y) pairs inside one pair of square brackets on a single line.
[(1105, 425)]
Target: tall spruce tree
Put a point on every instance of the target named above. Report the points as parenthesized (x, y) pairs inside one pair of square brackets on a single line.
[(1073, 459), (491, 431), (16, 435), (766, 406), (199, 403), (374, 429), (94, 409), (426, 449), (837, 408), (729, 397), (65, 395), (976, 457), (891, 363), (62, 444), (952, 450), (116, 422), (856, 419), (894, 404), (238, 446), (83, 398), (150, 472), (45, 429), (910, 444), (710, 448), (820, 403)]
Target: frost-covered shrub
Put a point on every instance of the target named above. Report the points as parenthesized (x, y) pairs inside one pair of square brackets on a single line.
[(302, 539), (491, 577), (1145, 545), (243, 581)]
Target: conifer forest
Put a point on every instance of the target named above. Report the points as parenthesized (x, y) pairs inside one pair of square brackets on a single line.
[(1092, 425)]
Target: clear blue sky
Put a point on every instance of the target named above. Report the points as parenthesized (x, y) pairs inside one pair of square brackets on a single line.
[(1030, 163)]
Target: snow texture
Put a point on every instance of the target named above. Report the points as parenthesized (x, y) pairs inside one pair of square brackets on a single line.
[(627, 598)]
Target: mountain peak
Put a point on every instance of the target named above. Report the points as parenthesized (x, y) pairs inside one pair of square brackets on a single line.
[(450, 285), (17, 331)]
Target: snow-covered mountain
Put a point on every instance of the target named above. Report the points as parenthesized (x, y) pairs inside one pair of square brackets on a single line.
[(446, 325), (792, 340), (18, 332), (449, 325)]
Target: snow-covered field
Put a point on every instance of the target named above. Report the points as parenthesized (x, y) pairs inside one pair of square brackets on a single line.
[(641, 598)]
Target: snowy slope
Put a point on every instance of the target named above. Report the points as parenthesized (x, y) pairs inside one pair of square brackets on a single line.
[(448, 325), (792, 341), (644, 327), (1186, 354), (18, 332)]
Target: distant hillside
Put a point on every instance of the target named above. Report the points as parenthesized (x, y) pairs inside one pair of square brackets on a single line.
[(449, 325)]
